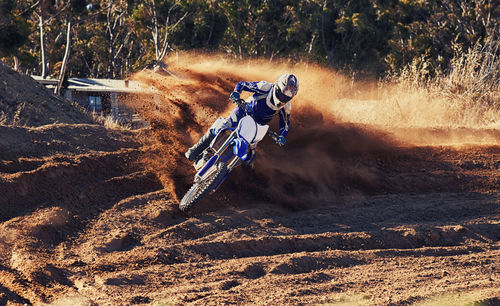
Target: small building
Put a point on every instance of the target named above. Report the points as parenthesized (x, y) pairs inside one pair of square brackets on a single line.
[(102, 96)]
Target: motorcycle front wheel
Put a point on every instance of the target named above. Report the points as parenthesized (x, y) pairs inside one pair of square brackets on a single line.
[(203, 187)]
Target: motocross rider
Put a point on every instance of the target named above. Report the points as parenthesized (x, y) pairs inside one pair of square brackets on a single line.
[(267, 100)]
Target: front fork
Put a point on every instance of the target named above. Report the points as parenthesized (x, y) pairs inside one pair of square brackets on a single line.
[(217, 155), (233, 161)]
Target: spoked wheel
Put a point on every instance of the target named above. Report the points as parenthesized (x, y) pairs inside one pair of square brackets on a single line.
[(203, 187)]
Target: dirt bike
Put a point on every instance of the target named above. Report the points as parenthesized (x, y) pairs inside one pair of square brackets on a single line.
[(230, 148)]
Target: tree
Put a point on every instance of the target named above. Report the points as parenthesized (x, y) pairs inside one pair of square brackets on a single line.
[(259, 28), (119, 36), (45, 9), (160, 18), (73, 8), (203, 28), (14, 31)]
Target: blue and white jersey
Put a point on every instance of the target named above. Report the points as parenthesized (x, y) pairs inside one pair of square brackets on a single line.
[(262, 108)]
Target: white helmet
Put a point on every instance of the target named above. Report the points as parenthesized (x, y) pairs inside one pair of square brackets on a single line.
[(285, 88)]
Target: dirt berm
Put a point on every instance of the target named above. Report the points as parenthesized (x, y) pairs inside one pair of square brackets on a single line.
[(344, 214), (25, 102)]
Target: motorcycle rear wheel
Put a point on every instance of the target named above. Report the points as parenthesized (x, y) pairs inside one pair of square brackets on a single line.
[(202, 188)]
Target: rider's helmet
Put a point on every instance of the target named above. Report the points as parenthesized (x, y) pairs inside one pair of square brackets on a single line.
[(285, 88)]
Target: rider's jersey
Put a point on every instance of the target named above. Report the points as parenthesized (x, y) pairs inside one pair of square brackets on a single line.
[(262, 108)]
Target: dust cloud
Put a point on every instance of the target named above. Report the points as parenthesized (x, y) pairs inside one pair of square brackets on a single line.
[(340, 129)]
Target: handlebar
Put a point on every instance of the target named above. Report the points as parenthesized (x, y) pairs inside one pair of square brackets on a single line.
[(241, 104)]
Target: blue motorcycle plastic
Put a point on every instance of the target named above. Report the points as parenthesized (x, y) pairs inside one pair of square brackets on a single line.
[(229, 149)]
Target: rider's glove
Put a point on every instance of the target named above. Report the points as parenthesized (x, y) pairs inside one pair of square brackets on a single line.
[(235, 96), (281, 140)]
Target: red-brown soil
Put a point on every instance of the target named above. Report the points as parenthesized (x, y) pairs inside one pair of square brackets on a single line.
[(25, 102), (344, 214)]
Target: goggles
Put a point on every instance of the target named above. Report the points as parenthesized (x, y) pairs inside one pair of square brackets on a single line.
[(286, 95)]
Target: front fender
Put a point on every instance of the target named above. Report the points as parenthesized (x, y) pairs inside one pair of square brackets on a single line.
[(240, 148)]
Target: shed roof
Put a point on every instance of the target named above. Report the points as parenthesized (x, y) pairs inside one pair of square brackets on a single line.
[(98, 85)]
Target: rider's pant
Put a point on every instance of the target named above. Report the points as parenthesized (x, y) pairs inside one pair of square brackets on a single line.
[(236, 116), (229, 122)]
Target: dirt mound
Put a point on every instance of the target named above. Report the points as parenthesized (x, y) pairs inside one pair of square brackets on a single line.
[(55, 179), (43, 166), (24, 102)]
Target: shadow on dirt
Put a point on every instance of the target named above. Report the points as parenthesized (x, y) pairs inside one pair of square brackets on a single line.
[(332, 162), (7, 295), (323, 159)]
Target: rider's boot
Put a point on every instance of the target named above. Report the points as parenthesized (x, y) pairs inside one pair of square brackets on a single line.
[(195, 151), (202, 159)]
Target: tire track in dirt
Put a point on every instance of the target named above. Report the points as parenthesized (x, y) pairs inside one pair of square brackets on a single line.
[(19, 191), (54, 180)]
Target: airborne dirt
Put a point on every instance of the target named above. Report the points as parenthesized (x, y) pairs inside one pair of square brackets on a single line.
[(350, 211)]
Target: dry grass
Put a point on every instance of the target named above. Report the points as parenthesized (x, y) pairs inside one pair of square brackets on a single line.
[(469, 89), (112, 123), (109, 122)]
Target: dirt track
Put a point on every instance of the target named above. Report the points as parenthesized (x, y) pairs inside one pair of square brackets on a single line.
[(89, 215), (85, 224)]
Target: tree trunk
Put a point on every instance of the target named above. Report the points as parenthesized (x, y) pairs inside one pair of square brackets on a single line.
[(238, 37), (167, 29), (154, 31), (311, 43), (42, 49), (329, 52), (57, 90), (17, 64), (111, 35)]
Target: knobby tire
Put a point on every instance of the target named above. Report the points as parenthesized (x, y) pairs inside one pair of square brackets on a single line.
[(201, 189)]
